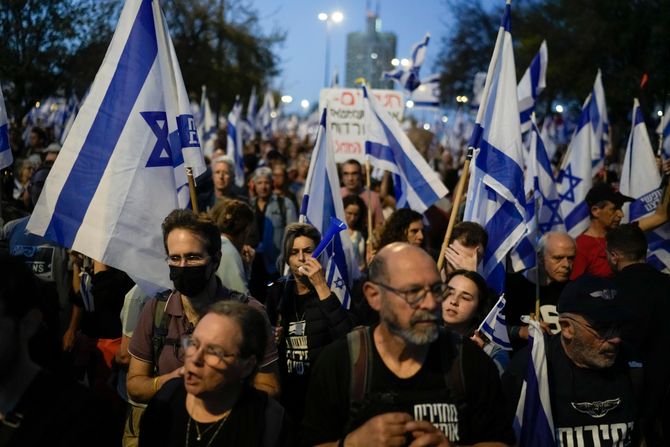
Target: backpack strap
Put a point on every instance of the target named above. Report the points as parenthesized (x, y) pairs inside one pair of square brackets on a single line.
[(160, 330), (359, 343)]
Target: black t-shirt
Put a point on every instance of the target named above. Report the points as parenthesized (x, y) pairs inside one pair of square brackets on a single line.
[(590, 407), (424, 396)]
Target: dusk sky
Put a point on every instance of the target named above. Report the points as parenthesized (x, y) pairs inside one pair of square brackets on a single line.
[(302, 56)]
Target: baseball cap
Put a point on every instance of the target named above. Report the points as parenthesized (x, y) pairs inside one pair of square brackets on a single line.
[(595, 299), (602, 191)]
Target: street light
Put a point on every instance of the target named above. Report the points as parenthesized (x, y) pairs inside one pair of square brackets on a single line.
[(304, 104), (287, 99), (333, 17)]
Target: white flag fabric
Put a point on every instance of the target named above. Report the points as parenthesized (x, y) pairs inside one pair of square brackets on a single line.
[(533, 81), (408, 78), (533, 423), (235, 141), (264, 119), (641, 180), (389, 148), (427, 95), (575, 177), (207, 126), (122, 167), (600, 123), (321, 201), (6, 157), (494, 325), (495, 197), (664, 129)]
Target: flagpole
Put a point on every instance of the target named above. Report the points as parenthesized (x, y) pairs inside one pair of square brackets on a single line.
[(191, 189), (537, 257), (475, 140), (368, 185)]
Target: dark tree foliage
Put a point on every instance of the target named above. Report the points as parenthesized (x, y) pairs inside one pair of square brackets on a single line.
[(51, 45), (624, 38), (219, 44)]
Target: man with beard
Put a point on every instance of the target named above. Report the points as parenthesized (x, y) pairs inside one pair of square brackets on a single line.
[(404, 381), (591, 393)]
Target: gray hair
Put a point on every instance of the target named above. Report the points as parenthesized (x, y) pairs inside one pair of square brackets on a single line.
[(542, 243), (227, 160), (262, 172)]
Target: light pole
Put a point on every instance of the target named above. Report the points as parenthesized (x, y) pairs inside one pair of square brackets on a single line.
[(334, 17)]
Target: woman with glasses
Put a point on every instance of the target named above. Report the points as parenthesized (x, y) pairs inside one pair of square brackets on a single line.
[(466, 304), (214, 402)]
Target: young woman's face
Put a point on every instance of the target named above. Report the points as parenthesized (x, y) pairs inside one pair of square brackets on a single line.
[(352, 214), (461, 301)]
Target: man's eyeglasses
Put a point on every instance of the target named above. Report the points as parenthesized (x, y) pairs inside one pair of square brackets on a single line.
[(189, 260), (212, 355), (602, 332), (416, 295)]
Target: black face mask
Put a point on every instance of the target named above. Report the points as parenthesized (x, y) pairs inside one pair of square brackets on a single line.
[(190, 280)]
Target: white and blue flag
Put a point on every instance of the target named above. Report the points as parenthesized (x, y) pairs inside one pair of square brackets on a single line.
[(207, 126), (427, 95), (265, 118), (494, 325), (122, 167), (6, 157), (600, 124), (663, 130), (495, 197), (533, 81), (235, 141), (389, 148), (321, 201), (575, 177), (641, 180), (533, 423), (543, 200), (409, 78)]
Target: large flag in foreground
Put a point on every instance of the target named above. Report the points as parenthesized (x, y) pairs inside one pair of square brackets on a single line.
[(533, 423), (235, 141), (122, 167), (495, 197), (575, 177), (640, 180), (409, 78), (389, 148), (533, 81), (6, 157), (321, 201)]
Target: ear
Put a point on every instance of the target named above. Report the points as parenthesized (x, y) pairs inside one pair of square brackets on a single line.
[(373, 295), (567, 328)]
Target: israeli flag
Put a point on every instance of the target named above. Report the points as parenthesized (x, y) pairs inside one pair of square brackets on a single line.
[(427, 95), (495, 197), (388, 148), (641, 180), (663, 130), (6, 157), (494, 326), (321, 201), (207, 127), (264, 119), (122, 167), (533, 81), (409, 78), (235, 143), (533, 423), (600, 124), (575, 177), (540, 188)]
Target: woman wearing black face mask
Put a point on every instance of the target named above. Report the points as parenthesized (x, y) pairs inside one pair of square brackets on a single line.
[(193, 246)]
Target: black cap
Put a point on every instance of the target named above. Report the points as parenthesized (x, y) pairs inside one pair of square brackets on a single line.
[(595, 299), (602, 191)]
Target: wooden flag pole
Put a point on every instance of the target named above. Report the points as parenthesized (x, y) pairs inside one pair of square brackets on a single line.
[(368, 184), (191, 189), (458, 195)]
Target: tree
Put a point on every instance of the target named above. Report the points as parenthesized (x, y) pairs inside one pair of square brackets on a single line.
[(50, 45), (219, 44), (624, 38)]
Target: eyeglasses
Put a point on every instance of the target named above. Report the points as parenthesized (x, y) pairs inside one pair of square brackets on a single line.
[(189, 260), (416, 295), (602, 332), (212, 355)]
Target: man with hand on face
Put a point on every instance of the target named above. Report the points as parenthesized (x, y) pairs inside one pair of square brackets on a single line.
[(307, 315), (466, 247), (193, 247), (592, 398), (405, 381)]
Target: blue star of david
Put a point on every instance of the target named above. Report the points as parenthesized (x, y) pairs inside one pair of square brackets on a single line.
[(573, 181), (161, 154), (554, 217), (339, 283)]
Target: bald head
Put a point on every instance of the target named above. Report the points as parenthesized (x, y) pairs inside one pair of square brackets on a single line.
[(396, 258), (557, 254)]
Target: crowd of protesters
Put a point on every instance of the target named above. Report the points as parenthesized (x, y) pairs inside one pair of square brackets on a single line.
[(251, 346)]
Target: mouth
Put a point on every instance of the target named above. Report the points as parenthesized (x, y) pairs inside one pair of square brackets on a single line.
[(190, 378), (451, 312)]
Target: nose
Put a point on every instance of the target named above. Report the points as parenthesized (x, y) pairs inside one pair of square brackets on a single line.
[(435, 301), (301, 256)]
